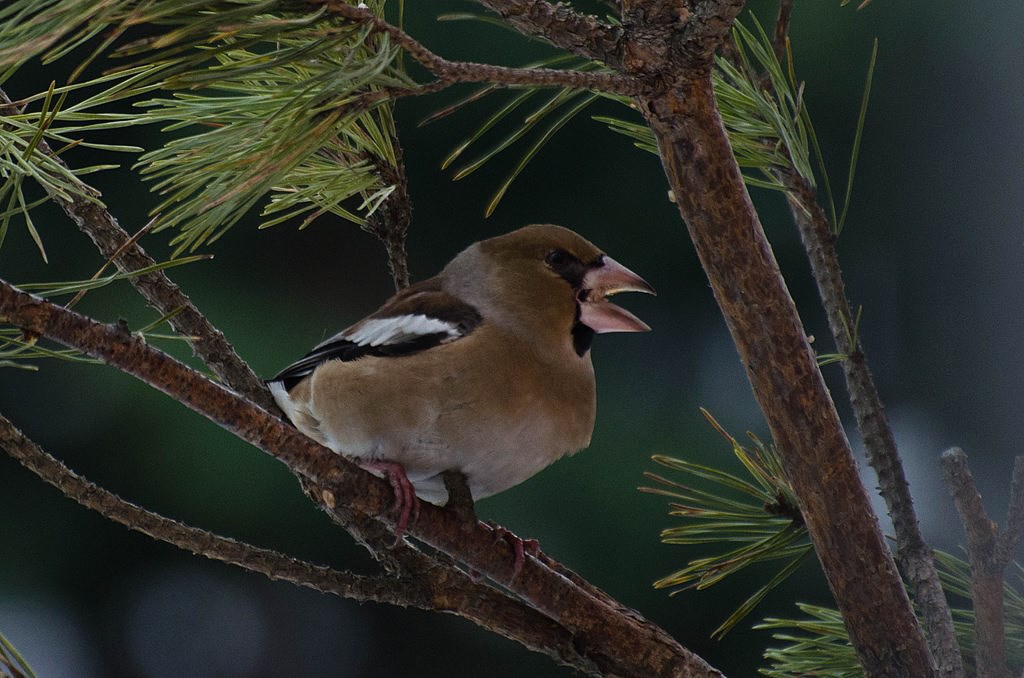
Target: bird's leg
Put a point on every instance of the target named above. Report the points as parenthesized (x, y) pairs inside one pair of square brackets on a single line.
[(406, 503), (460, 498), (520, 546)]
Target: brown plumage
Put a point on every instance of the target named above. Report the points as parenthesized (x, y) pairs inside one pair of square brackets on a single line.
[(484, 368)]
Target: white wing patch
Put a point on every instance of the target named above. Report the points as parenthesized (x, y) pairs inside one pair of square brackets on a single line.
[(397, 330)]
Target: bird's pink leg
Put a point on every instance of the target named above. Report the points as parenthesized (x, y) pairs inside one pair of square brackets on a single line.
[(520, 547), (406, 502)]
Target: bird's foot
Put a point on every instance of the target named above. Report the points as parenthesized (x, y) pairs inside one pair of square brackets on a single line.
[(520, 547), (407, 504)]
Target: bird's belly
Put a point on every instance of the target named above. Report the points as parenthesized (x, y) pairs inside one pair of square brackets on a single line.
[(497, 432), (493, 453)]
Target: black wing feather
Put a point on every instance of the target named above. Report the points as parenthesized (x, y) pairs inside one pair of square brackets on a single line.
[(425, 298)]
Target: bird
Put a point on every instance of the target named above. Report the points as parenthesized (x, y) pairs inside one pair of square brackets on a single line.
[(484, 369)]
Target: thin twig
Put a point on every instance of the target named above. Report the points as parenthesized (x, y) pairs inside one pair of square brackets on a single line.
[(986, 570), (390, 221), (563, 27), (209, 343), (1010, 538), (465, 71), (200, 542), (618, 643), (781, 36), (913, 555)]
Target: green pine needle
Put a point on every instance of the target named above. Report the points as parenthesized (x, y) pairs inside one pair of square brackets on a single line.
[(56, 289), (857, 135), (769, 129), (53, 117), (955, 575), (818, 644), (751, 519), (257, 97), (535, 148), (15, 348), (12, 662)]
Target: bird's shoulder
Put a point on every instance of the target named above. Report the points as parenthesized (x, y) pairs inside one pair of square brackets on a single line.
[(416, 319)]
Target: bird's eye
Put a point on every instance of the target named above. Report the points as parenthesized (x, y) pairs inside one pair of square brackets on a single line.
[(557, 259)]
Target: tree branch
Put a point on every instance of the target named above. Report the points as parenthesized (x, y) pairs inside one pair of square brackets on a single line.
[(913, 555), (1010, 538), (773, 348), (558, 24), (616, 641), (424, 584), (464, 71), (160, 292), (781, 36), (199, 542), (390, 221), (986, 566)]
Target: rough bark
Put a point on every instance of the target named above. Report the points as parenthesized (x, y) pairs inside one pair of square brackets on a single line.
[(415, 580), (773, 348), (988, 559), (913, 555)]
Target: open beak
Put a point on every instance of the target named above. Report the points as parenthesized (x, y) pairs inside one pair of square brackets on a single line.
[(608, 278)]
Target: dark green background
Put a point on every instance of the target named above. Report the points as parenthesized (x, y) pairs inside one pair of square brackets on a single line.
[(932, 250)]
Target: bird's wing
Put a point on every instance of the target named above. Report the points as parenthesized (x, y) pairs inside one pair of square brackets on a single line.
[(416, 319)]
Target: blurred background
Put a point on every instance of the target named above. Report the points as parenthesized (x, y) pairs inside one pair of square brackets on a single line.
[(932, 250)]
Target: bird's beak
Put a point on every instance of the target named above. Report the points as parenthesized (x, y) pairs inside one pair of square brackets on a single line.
[(602, 281)]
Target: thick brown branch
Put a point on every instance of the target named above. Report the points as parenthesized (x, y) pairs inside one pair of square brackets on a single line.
[(464, 71), (452, 592), (986, 570), (913, 555), (617, 642), (769, 336), (424, 584), (160, 292)]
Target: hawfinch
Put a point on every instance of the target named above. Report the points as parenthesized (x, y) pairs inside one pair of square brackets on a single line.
[(484, 368)]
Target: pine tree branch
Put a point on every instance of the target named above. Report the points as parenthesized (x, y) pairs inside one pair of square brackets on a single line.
[(769, 336), (617, 641), (913, 555), (986, 567), (197, 541), (1010, 538), (781, 35), (390, 221), (208, 342), (463, 71), (558, 24), (423, 583)]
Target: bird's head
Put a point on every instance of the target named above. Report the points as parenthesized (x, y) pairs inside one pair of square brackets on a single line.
[(548, 278)]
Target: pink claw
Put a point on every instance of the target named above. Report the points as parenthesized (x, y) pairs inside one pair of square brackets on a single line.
[(406, 502), (520, 547)]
